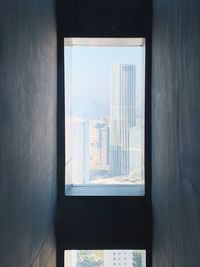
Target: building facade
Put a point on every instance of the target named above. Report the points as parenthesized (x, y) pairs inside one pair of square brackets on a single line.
[(122, 117), (98, 134), (118, 258), (80, 151)]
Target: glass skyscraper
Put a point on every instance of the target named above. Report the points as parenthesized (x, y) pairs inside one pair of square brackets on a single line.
[(122, 117)]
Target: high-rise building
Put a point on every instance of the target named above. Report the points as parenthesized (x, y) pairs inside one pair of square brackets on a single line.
[(136, 151), (118, 258), (122, 117), (80, 151), (98, 142)]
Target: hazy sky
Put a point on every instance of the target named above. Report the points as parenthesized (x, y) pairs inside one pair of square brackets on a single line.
[(91, 69)]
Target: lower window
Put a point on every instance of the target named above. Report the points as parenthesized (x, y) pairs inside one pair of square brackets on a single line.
[(105, 258)]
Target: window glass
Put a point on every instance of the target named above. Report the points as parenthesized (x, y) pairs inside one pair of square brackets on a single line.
[(104, 258), (104, 112)]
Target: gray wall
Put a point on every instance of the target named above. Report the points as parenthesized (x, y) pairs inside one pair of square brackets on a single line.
[(176, 133), (28, 133)]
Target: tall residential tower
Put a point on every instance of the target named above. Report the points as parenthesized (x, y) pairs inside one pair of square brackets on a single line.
[(80, 152)]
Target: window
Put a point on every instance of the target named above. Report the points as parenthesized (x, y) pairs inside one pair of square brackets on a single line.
[(103, 258), (104, 116)]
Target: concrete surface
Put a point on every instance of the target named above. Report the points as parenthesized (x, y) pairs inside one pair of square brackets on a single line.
[(176, 133), (28, 133)]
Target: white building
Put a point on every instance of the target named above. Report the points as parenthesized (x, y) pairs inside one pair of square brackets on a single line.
[(136, 152), (118, 258), (122, 117), (80, 151)]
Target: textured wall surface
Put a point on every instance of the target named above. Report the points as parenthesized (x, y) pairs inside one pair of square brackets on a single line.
[(176, 133), (28, 133)]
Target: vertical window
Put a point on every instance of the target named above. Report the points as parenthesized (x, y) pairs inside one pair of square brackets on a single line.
[(104, 116)]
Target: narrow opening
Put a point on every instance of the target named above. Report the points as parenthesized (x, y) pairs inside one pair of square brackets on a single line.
[(104, 116), (105, 258)]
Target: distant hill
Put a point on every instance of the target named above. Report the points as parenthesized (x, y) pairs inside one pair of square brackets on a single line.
[(89, 108)]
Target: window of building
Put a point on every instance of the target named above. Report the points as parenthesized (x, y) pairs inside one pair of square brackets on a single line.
[(103, 258), (104, 116)]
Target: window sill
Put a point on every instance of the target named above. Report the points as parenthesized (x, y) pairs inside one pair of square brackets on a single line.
[(104, 190)]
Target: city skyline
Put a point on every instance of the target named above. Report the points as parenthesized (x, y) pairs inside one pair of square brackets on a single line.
[(82, 61), (105, 258), (106, 138)]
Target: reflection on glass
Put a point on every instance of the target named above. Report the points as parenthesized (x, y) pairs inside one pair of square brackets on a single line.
[(104, 111)]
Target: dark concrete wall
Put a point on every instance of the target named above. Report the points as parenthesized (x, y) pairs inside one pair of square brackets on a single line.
[(28, 133), (176, 133), (105, 17)]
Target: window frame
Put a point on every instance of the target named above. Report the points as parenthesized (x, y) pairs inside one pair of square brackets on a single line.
[(112, 190), (118, 253), (63, 201)]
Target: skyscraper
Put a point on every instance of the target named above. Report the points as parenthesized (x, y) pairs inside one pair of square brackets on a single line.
[(136, 151), (98, 132), (80, 152), (122, 117)]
